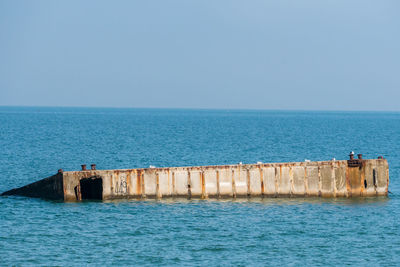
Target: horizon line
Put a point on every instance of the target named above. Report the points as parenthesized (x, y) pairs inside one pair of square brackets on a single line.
[(199, 108)]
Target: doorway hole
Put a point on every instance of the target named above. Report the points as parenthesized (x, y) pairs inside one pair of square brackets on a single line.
[(92, 188)]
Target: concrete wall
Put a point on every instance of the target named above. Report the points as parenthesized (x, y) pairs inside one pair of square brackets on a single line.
[(48, 188), (299, 179)]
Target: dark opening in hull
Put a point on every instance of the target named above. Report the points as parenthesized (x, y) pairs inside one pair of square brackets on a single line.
[(92, 188)]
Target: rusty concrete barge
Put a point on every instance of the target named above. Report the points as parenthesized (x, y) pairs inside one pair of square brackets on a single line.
[(336, 178)]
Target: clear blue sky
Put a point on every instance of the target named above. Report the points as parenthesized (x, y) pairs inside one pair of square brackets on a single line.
[(323, 55)]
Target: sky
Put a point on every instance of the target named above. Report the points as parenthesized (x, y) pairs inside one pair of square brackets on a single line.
[(225, 54)]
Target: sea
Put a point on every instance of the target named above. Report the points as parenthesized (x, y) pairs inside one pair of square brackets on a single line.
[(37, 141)]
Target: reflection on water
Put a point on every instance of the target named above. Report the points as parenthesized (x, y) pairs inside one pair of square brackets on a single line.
[(379, 200)]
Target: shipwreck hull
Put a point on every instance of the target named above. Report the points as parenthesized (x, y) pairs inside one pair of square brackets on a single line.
[(345, 178)]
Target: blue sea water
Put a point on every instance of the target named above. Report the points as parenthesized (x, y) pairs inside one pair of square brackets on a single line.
[(36, 141)]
